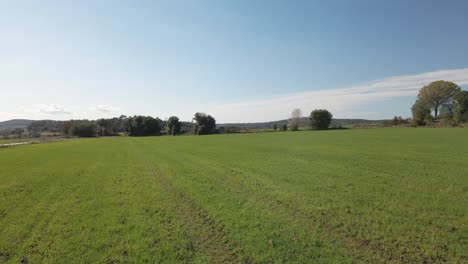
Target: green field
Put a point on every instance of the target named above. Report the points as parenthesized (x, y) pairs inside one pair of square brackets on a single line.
[(370, 195)]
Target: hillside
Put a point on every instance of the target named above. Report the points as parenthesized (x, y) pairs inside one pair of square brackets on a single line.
[(15, 123)]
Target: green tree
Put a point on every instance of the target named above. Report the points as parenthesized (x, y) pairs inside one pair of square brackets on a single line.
[(138, 126), (173, 125), (461, 106), (83, 128), (275, 127), (421, 113), (437, 94), (104, 127), (66, 128), (152, 126), (320, 119), (204, 124)]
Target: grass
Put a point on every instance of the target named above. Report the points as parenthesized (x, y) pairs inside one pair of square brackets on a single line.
[(370, 195)]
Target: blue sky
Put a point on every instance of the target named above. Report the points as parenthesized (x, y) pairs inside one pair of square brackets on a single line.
[(241, 61)]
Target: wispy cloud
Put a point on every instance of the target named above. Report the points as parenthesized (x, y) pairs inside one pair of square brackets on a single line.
[(340, 101), (58, 111), (49, 109), (104, 109), (346, 102)]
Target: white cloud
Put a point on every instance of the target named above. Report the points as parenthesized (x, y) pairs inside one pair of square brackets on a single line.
[(60, 112), (347, 102), (104, 109), (49, 109), (339, 101)]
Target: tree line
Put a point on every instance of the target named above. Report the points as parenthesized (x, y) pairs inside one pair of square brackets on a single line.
[(138, 126)]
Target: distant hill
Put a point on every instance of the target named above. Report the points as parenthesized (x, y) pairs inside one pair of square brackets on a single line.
[(15, 123), (305, 122)]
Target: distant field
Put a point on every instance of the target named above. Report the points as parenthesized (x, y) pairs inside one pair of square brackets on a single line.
[(370, 195)]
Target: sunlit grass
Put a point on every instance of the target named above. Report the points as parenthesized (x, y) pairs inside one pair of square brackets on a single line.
[(395, 195)]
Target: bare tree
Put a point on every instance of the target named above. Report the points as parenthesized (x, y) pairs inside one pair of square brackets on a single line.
[(295, 119)]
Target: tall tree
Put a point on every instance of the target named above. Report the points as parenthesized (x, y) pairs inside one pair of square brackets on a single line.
[(295, 119), (437, 94), (66, 128), (204, 124), (320, 119), (461, 106), (173, 125)]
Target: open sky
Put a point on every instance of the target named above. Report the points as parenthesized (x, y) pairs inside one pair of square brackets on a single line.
[(241, 61)]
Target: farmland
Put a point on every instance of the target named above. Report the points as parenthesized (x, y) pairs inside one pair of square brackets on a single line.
[(364, 195)]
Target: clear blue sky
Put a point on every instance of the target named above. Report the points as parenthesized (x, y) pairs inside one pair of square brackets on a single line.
[(238, 60)]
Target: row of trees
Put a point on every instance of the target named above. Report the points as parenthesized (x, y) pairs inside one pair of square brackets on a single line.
[(138, 126), (440, 100), (149, 126)]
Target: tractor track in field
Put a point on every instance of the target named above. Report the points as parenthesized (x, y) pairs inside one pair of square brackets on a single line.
[(206, 233), (352, 244), (376, 252)]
